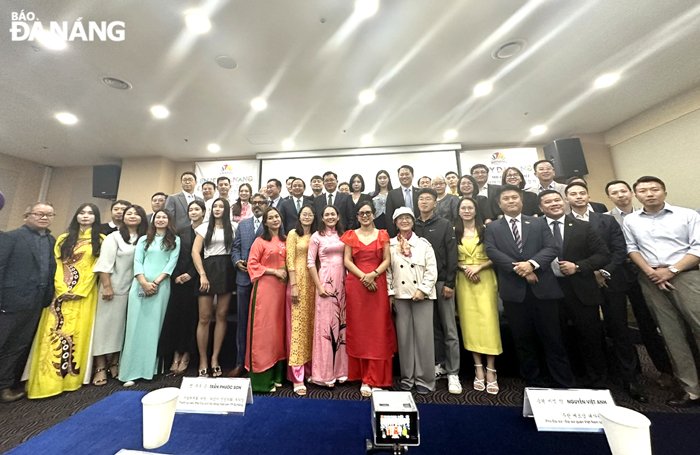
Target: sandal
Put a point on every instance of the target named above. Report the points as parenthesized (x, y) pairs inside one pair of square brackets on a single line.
[(174, 367), (203, 373), (478, 383), (300, 389), (100, 377), (216, 371), (183, 367), (492, 387), (114, 370), (365, 390)]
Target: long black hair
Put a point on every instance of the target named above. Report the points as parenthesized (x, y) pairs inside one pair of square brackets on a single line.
[(299, 229), (169, 239), (140, 229), (71, 239), (339, 228), (478, 221), (377, 188), (225, 220), (267, 235), (238, 206)]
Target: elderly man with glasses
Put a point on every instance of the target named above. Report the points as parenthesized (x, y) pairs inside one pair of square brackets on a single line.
[(27, 268)]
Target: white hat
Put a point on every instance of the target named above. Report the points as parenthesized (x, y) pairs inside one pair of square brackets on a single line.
[(403, 211)]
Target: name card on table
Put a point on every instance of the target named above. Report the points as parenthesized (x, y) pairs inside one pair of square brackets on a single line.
[(214, 395), (573, 410)]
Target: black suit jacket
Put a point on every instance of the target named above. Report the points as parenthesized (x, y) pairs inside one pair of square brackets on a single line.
[(618, 265), (588, 251), (288, 211), (185, 264), (394, 200), (598, 207), (538, 245), (19, 272), (342, 202)]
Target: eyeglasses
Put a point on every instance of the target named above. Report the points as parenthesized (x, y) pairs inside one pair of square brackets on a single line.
[(258, 203), (364, 214), (42, 215)]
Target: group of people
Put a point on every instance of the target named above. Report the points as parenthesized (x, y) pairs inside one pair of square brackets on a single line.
[(328, 287)]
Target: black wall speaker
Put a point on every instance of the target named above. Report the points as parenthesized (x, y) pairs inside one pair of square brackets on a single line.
[(105, 181), (567, 156)]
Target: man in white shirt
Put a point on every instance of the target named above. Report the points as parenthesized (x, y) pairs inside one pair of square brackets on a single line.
[(664, 242), (405, 195), (341, 201), (290, 207), (208, 190), (480, 172)]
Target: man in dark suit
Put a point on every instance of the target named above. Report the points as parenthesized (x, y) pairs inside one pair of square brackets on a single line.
[(248, 230), (157, 203), (597, 207), (27, 267), (522, 249), (405, 195), (341, 201), (290, 207), (613, 280), (176, 204), (580, 252)]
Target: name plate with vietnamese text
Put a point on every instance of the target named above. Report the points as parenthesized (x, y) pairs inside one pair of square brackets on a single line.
[(572, 410), (214, 395)]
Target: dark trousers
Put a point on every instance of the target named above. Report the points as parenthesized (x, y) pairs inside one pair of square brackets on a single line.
[(16, 333), (616, 328), (648, 330), (535, 325), (588, 328), (242, 306)]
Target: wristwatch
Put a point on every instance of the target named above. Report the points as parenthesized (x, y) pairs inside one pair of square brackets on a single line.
[(673, 270)]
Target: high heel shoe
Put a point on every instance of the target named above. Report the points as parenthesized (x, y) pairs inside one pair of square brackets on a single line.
[(492, 386), (478, 383), (182, 369), (216, 371), (204, 373), (174, 368)]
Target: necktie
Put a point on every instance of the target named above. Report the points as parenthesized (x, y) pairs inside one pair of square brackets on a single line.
[(298, 205), (557, 235), (516, 234), (330, 198), (407, 198), (256, 224)]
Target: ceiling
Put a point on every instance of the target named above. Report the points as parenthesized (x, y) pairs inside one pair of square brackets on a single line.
[(310, 59)]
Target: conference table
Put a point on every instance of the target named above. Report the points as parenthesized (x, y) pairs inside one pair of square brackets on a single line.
[(303, 426)]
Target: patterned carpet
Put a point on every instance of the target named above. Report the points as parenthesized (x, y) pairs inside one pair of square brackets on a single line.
[(21, 420)]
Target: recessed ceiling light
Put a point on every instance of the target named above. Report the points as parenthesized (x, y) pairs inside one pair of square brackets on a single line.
[(366, 139), (118, 84), (366, 8), (367, 96), (50, 40), (66, 118), (449, 135), (606, 80), (508, 50), (214, 148), (288, 143), (197, 22), (258, 104), (159, 111), (538, 129), (483, 88)]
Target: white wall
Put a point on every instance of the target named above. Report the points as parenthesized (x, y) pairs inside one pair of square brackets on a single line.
[(663, 141)]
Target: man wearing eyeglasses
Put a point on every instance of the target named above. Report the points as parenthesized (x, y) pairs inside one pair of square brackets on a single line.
[(176, 204), (27, 268), (248, 230)]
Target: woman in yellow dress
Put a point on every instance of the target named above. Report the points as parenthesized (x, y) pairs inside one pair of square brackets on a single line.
[(477, 296), (300, 301), (60, 359)]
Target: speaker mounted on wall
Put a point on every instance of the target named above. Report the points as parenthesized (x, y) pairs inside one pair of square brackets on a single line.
[(105, 181), (567, 157)]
